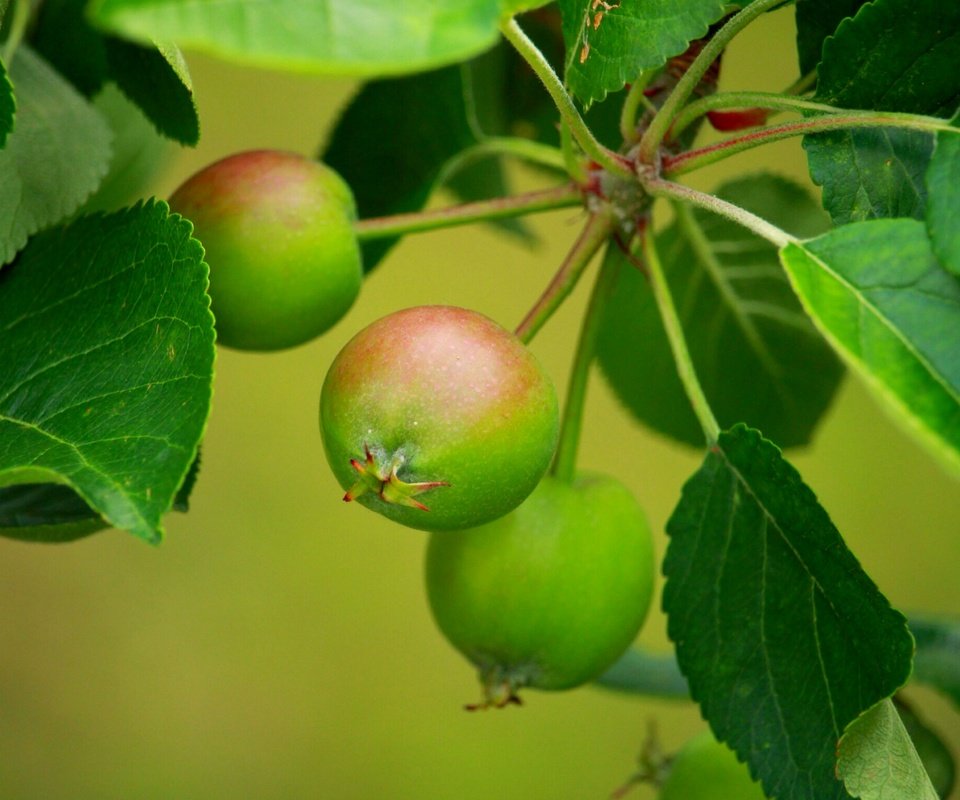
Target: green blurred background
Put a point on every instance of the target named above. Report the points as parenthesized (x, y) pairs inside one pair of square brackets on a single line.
[(279, 644)]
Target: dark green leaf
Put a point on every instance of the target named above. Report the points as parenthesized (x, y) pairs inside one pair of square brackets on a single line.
[(879, 295), (54, 158), (67, 41), (757, 355), (157, 80), (895, 55), (154, 76), (107, 345), (816, 20), (943, 208), (393, 140), (608, 44), (782, 636), (936, 757), (937, 662), (46, 512), (8, 105), (342, 37), (877, 760)]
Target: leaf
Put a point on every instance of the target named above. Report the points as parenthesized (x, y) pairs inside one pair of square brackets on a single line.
[(157, 80), (341, 37), (429, 120), (759, 359), (107, 345), (816, 21), (8, 105), (610, 43), (878, 294), (783, 637), (895, 55), (943, 208), (937, 662), (68, 42), (139, 152), (877, 760), (936, 757), (55, 157)]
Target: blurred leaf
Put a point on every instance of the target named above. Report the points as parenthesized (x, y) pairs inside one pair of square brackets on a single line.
[(139, 153), (783, 637), (107, 346), (46, 512), (511, 7), (342, 37), (879, 295), (608, 44), (66, 40), (759, 358), (936, 757), (157, 80), (55, 157), (816, 21), (430, 119), (943, 208), (877, 760), (639, 671), (8, 105), (937, 661), (895, 55)]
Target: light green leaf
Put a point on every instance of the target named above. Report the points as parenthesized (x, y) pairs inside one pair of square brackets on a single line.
[(943, 208), (610, 43), (877, 760), (783, 637), (55, 157), (106, 338), (935, 755), (759, 358), (512, 7), (342, 37), (7, 105), (882, 299)]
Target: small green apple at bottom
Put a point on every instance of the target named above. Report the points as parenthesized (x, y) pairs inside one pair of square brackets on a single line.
[(706, 769), (277, 229), (438, 418), (550, 595)]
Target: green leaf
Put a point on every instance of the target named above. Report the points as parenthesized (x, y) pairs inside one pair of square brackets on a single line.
[(895, 55), (936, 757), (937, 662), (783, 637), (139, 152), (54, 158), (46, 512), (759, 358), (155, 76), (816, 21), (512, 7), (610, 43), (880, 297), (943, 208), (430, 120), (8, 105), (342, 37), (877, 760), (107, 346), (157, 80), (67, 41)]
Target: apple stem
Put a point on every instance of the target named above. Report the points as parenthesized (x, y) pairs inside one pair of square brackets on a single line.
[(678, 343), (565, 461), (609, 160), (564, 196), (597, 230)]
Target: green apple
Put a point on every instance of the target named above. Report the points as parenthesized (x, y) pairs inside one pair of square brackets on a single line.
[(706, 769)]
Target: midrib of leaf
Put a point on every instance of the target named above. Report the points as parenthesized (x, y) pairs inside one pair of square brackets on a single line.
[(93, 468), (815, 587), (701, 247), (867, 306), (574, 52)]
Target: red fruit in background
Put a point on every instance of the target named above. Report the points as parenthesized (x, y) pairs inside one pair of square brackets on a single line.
[(737, 120)]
